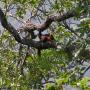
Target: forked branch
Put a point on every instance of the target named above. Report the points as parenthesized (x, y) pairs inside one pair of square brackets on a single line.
[(42, 27)]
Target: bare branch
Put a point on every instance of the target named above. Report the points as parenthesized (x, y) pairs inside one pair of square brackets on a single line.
[(52, 18)]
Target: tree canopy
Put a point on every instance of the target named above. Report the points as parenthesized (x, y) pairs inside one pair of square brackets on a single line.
[(69, 23)]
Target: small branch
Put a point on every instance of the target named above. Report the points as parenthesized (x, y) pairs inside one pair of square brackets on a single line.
[(66, 26), (17, 18), (70, 29)]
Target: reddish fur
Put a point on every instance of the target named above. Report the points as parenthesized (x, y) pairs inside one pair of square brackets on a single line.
[(47, 37)]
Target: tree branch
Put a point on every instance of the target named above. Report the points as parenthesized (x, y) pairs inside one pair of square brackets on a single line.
[(42, 27), (52, 18), (56, 17), (9, 27)]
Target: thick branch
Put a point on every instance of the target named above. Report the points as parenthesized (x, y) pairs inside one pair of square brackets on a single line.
[(52, 18), (56, 17), (9, 27), (30, 42)]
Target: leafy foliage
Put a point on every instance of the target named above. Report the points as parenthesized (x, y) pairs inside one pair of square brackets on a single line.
[(54, 68)]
